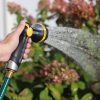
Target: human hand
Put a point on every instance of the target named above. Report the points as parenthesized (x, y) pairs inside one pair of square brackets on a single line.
[(10, 43)]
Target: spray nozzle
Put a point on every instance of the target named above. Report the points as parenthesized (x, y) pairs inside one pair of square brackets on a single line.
[(37, 32)]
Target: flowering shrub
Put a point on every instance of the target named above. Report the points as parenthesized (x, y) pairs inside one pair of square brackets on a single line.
[(54, 77), (76, 8), (73, 13), (57, 72)]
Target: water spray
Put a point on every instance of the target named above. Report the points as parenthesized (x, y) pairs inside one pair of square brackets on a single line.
[(38, 33)]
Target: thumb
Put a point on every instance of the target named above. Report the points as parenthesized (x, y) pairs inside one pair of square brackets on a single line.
[(20, 28)]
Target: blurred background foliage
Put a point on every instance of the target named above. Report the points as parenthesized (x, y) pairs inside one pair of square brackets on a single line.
[(49, 74)]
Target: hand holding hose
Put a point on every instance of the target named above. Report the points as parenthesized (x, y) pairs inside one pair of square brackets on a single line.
[(10, 43), (17, 45)]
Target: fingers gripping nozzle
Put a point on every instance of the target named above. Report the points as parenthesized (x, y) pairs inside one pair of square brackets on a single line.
[(38, 33)]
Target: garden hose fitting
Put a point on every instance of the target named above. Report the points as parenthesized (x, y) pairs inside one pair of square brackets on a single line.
[(9, 73)]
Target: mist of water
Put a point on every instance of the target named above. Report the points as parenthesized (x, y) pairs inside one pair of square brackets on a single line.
[(78, 45)]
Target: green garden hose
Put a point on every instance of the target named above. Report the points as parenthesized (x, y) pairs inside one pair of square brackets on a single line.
[(5, 84)]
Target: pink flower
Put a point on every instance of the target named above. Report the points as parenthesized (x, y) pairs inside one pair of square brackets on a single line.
[(57, 72)]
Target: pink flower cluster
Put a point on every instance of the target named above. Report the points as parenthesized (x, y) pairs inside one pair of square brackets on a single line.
[(79, 8), (57, 72)]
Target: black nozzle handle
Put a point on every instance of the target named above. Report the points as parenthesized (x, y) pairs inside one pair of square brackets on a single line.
[(17, 55)]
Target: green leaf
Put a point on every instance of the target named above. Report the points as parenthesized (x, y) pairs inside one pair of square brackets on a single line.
[(14, 85), (76, 97), (96, 87), (97, 10), (74, 87), (59, 56), (85, 28), (44, 14), (55, 93), (11, 96), (44, 95), (38, 86), (86, 76), (60, 87), (37, 52), (87, 96), (81, 85), (90, 22), (27, 94), (19, 18)]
